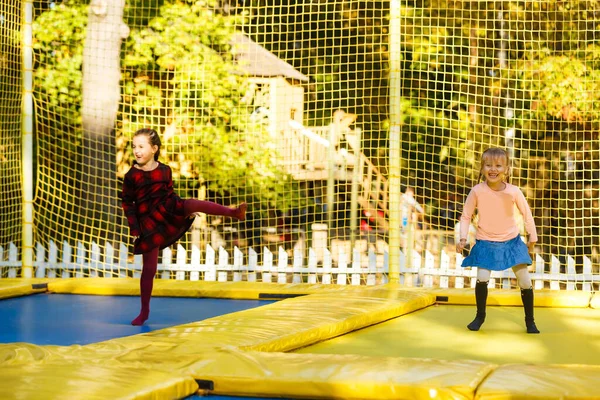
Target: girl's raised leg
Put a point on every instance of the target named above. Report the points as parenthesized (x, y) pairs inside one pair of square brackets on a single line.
[(192, 206)]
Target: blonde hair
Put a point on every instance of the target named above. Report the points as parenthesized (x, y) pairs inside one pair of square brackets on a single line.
[(493, 153)]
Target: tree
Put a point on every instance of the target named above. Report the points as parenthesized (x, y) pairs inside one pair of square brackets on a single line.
[(101, 93)]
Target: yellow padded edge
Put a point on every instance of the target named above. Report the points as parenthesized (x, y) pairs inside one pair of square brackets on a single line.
[(256, 290), (139, 351), (87, 379), (595, 302), (231, 349), (281, 326), (512, 297), (294, 323), (340, 376), (175, 288), (541, 382), (23, 353), (236, 351), (18, 287)]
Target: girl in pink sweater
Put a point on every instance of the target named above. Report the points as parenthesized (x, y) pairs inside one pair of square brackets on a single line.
[(498, 244)]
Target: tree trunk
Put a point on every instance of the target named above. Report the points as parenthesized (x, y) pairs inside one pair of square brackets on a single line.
[(99, 207)]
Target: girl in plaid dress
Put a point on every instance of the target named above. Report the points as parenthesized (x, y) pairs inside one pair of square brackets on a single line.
[(157, 217)]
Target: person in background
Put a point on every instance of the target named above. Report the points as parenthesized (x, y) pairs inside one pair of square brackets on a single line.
[(412, 211)]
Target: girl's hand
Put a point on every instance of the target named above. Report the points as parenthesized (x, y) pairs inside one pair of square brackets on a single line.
[(531, 247), (461, 245)]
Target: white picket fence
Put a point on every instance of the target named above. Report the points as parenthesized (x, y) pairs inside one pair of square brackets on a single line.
[(218, 265)]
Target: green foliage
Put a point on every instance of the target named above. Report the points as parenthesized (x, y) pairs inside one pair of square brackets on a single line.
[(139, 12), (59, 34), (561, 87), (442, 130)]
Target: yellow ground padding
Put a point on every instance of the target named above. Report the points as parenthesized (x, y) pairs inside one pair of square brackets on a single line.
[(512, 297), (175, 288), (541, 382), (595, 302), (266, 291), (298, 322), (85, 379), (19, 287), (348, 377), (569, 336), (243, 353)]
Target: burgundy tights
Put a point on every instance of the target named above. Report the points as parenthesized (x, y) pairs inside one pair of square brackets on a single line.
[(150, 258), (146, 282), (191, 206)]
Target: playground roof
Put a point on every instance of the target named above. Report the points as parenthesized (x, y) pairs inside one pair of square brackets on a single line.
[(255, 60)]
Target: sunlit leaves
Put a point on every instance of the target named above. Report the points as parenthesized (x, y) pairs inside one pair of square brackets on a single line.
[(58, 44)]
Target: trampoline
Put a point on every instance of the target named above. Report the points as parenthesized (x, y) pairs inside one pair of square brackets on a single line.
[(64, 319), (569, 336), (316, 341)]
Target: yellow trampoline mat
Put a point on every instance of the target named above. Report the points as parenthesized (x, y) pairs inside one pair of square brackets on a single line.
[(19, 287), (400, 343), (569, 336)]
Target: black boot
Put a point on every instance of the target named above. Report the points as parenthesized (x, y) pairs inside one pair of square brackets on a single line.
[(527, 297), (481, 293)]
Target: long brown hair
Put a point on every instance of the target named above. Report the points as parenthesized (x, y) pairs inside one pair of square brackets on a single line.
[(494, 152), (153, 138)]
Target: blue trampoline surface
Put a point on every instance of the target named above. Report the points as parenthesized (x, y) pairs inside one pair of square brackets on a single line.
[(62, 319), (214, 397)]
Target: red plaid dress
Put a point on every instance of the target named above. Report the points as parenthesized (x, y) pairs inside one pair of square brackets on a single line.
[(154, 212)]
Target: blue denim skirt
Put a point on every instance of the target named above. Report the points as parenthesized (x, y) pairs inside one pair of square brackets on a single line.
[(498, 256)]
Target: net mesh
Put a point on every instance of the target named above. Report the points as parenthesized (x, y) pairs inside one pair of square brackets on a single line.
[(10, 124), (285, 106), (519, 75)]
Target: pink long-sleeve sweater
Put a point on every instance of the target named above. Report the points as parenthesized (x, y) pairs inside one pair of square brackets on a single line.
[(496, 213)]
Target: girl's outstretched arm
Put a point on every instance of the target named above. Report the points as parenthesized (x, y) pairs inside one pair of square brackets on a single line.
[(460, 246), (527, 217), (467, 214), (128, 204)]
